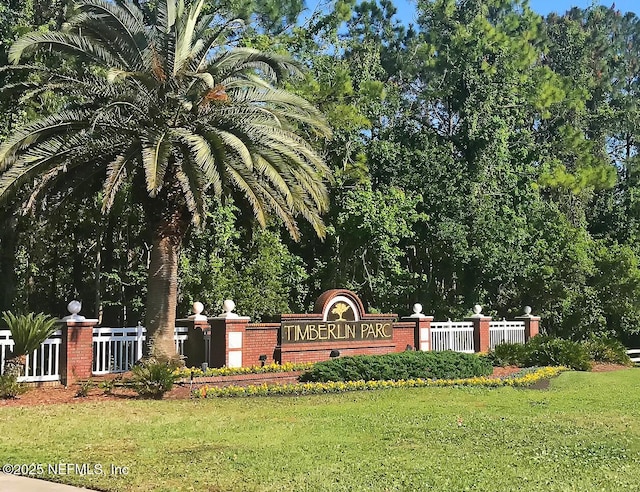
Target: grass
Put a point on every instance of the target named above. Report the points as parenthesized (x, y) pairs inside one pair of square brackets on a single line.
[(583, 433)]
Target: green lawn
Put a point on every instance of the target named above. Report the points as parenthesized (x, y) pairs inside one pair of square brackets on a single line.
[(581, 434)]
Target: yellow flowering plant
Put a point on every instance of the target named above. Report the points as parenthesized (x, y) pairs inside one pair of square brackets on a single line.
[(526, 378), (274, 367)]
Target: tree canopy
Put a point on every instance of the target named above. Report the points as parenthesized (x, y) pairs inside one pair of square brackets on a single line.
[(485, 155), (159, 99)]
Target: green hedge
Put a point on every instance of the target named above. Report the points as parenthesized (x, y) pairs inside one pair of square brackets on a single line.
[(397, 366)]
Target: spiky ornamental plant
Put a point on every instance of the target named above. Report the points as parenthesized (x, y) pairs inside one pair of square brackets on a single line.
[(28, 332), (161, 101)]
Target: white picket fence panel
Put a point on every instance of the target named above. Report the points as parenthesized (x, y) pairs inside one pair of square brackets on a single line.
[(634, 355), (452, 335), (116, 350), (42, 365), (180, 336), (505, 332)]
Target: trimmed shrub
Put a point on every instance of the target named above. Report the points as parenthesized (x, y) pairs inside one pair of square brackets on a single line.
[(509, 354), (544, 350), (402, 365), (9, 386), (551, 351)]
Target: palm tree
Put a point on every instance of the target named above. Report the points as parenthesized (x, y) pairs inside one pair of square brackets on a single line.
[(157, 98)]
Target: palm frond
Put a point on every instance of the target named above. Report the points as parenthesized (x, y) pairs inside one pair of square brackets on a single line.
[(155, 159), (193, 189), (285, 105), (32, 132), (202, 155), (121, 26), (167, 11), (116, 174), (247, 183), (238, 60), (275, 203), (208, 39), (28, 331), (237, 146), (66, 43), (185, 37)]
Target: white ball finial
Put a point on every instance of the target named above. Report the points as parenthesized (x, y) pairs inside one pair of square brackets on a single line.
[(417, 311), (228, 306), (198, 307), (477, 309), (527, 310), (74, 308)]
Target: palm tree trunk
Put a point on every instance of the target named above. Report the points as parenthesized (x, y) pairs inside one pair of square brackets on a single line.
[(169, 219), (15, 366), (8, 260), (162, 293)]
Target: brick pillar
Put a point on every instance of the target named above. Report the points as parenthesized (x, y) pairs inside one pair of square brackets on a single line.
[(227, 341), (194, 346), (481, 340), (531, 325), (227, 337), (76, 352), (422, 335)]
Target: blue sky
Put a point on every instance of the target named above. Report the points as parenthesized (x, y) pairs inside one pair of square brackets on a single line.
[(406, 8)]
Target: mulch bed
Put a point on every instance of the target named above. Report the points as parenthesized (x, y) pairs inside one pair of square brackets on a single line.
[(48, 395)]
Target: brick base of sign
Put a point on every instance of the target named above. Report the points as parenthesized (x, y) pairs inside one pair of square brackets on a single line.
[(405, 336), (246, 379), (322, 351), (261, 339)]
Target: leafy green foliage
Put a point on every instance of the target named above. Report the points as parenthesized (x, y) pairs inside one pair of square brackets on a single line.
[(84, 387), (153, 378), (28, 331), (476, 156), (551, 351), (404, 365), (607, 350), (9, 386), (371, 238), (544, 350), (509, 354), (258, 272)]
